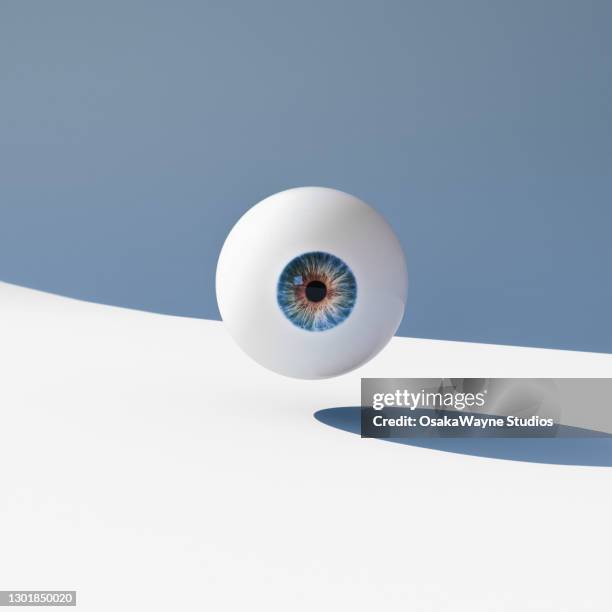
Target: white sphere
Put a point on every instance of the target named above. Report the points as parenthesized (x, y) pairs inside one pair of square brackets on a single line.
[(311, 282)]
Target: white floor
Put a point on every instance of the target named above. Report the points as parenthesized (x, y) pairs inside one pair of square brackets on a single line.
[(148, 464)]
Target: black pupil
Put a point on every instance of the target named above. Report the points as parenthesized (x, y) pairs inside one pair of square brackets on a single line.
[(315, 291)]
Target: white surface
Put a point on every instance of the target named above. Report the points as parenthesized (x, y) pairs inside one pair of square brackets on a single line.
[(148, 464), (284, 226)]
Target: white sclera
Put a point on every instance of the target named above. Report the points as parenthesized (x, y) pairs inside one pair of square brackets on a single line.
[(280, 228)]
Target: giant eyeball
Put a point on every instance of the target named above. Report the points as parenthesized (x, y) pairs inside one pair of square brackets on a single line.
[(311, 282)]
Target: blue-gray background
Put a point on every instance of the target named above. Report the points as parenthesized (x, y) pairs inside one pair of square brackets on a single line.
[(134, 134)]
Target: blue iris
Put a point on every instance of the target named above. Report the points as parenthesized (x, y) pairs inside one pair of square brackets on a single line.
[(316, 291)]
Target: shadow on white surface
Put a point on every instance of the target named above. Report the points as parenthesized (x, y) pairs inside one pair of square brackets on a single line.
[(589, 450)]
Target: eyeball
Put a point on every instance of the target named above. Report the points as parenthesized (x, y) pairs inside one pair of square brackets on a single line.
[(311, 282)]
